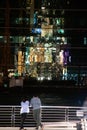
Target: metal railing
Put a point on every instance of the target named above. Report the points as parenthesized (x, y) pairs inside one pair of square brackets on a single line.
[(10, 115)]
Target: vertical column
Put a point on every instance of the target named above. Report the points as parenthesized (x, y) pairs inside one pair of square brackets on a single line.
[(6, 59), (31, 14)]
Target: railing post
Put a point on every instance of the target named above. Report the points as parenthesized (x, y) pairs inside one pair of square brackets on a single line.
[(66, 114), (13, 117)]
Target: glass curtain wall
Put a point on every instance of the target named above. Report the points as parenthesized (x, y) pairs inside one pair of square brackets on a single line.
[(37, 40)]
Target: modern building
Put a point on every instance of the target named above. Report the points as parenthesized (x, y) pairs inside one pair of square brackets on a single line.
[(43, 39)]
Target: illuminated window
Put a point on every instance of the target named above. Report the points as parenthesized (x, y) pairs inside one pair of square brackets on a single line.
[(85, 40)]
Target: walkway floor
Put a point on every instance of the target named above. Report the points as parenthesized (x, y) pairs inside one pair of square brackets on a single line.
[(49, 126), (33, 128)]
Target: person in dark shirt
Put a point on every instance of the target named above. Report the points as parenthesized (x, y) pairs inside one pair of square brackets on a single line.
[(85, 108), (36, 106)]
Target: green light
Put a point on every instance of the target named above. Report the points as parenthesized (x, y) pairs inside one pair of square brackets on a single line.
[(5, 85), (61, 31)]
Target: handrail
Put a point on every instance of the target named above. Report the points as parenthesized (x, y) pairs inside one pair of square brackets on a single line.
[(44, 106), (10, 115)]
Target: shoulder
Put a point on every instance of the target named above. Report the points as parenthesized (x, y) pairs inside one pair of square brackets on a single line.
[(27, 102), (85, 103)]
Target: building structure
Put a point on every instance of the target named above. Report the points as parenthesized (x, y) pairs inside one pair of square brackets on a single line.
[(42, 39)]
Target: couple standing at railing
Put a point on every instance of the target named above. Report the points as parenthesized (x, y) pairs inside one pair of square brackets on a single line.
[(35, 104)]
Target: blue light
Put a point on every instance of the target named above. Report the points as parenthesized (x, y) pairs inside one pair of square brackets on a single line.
[(36, 30)]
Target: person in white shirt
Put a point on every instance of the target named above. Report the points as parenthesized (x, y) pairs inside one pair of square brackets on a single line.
[(24, 111), (36, 106)]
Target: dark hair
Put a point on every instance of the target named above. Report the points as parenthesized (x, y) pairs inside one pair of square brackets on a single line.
[(24, 99), (35, 95)]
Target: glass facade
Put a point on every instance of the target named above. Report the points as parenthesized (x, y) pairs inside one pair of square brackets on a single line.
[(40, 39)]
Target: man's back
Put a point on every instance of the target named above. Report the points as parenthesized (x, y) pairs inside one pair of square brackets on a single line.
[(35, 102)]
